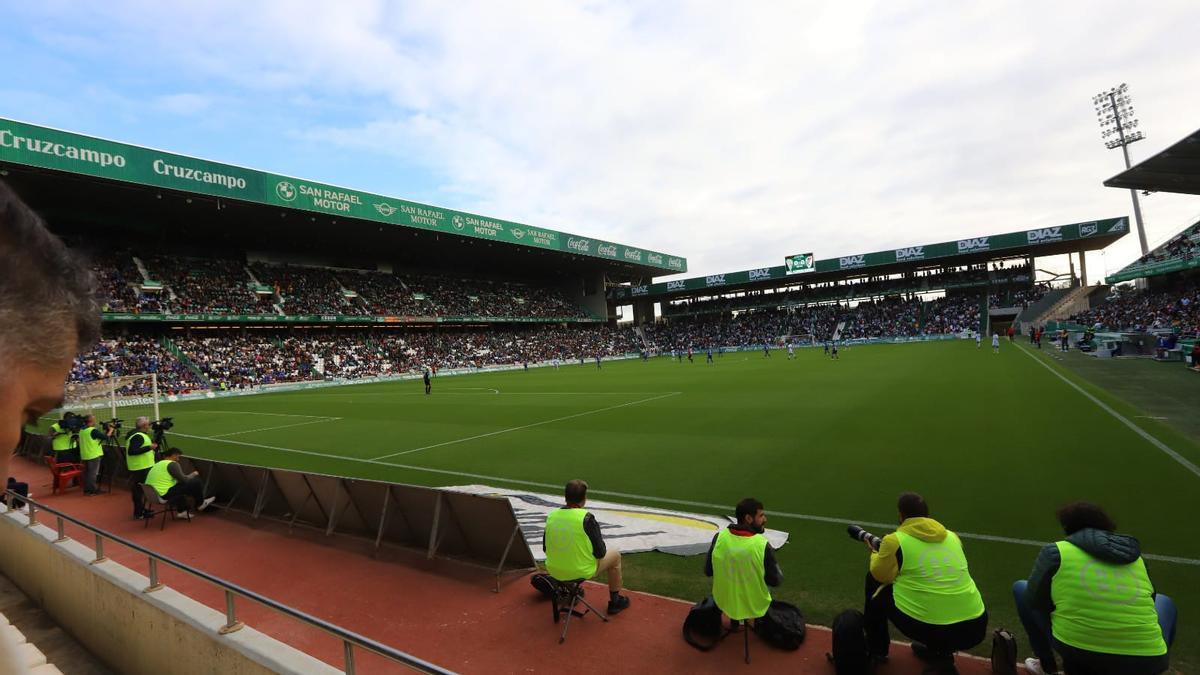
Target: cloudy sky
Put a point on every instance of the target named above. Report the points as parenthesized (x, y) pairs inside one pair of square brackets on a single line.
[(730, 133)]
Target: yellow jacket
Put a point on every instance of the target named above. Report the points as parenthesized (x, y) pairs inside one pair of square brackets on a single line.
[(885, 565)]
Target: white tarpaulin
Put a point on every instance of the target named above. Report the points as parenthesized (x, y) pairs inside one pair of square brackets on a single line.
[(627, 528)]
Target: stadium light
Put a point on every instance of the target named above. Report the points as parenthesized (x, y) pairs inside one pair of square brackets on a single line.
[(1114, 113)]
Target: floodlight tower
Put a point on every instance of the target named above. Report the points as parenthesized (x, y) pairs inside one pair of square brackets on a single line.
[(1114, 112)]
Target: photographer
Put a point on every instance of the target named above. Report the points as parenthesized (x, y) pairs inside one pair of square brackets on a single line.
[(575, 549), (139, 458), (742, 565), (1090, 599), (60, 440), (172, 484), (920, 582), (91, 451), (47, 315)]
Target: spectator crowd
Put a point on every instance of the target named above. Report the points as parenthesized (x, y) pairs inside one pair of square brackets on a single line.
[(1142, 311)]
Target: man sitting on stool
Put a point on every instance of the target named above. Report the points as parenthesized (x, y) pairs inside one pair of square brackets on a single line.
[(920, 582), (575, 549), (168, 480), (742, 565)]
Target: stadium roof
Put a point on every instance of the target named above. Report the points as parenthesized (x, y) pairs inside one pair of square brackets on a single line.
[(75, 154), (1176, 169), (1088, 236)]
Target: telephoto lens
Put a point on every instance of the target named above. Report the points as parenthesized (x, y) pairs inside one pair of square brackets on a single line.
[(858, 534)]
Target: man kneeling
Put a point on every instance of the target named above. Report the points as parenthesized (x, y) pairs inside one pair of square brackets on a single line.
[(920, 582), (169, 481), (575, 549)]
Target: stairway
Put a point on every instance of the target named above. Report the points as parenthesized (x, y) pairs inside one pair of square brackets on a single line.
[(141, 266), (1067, 302), (168, 345), (837, 332)]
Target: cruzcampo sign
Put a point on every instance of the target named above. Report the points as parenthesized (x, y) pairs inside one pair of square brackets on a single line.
[(32, 145)]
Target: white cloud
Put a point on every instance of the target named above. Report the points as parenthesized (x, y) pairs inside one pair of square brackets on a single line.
[(731, 134)]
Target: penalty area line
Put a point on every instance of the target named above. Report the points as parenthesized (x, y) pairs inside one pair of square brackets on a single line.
[(525, 426), (665, 500), (1183, 461)]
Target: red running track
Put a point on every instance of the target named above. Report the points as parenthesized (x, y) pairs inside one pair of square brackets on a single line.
[(441, 611)]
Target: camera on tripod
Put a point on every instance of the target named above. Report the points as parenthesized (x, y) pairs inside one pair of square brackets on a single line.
[(114, 424), (162, 425), (858, 534), (72, 422)]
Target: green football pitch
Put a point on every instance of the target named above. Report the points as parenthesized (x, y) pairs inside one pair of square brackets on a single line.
[(995, 442)]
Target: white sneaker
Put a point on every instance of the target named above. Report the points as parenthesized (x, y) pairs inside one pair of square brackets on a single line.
[(1034, 666), (185, 514), (204, 504)]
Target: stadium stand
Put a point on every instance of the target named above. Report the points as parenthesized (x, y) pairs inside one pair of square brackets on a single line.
[(1176, 310)]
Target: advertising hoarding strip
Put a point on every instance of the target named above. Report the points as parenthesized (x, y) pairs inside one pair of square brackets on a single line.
[(32, 145)]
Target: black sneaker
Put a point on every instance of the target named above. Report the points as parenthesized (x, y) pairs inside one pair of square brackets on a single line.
[(618, 605)]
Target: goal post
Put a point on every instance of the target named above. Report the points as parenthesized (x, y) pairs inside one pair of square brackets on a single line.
[(112, 393)]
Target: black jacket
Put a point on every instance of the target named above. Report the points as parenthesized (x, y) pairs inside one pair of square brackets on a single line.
[(772, 574), (1120, 549)]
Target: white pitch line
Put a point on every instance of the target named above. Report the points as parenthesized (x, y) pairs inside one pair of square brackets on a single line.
[(666, 500), (1183, 461), (282, 426), (526, 426)]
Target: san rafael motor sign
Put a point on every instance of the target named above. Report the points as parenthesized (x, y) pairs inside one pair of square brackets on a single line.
[(45, 148)]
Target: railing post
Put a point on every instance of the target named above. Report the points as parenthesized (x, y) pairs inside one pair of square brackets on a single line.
[(32, 514), (99, 550), (154, 583), (231, 622), (349, 649), (62, 530)]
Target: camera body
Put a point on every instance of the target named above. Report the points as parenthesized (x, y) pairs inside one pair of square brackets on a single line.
[(72, 422), (115, 424), (162, 425), (858, 534)]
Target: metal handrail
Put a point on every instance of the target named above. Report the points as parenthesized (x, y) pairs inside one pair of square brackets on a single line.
[(349, 639)]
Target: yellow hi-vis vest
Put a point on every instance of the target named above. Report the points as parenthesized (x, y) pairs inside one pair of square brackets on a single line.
[(568, 549), (142, 461), (934, 585), (160, 477), (89, 448), (738, 568), (1104, 607), (62, 441)]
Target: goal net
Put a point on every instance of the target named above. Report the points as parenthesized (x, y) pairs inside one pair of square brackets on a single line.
[(111, 393)]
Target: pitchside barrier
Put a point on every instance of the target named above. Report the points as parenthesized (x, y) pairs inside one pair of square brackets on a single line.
[(473, 528)]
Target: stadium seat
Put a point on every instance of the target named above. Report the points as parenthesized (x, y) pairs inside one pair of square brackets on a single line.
[(63, 473), (153, 499), (567, 594)]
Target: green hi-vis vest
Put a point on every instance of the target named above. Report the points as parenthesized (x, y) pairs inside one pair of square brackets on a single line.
[(89, 448), (142, 461), (934, 585), (62, 441), (160, 477), (738, 569), (568, 549), (1104, 607)]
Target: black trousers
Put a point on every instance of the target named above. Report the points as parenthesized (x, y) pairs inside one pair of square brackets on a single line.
[(179, 492), (941, 640), (17, 487), (136, 478)]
